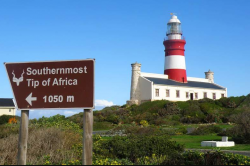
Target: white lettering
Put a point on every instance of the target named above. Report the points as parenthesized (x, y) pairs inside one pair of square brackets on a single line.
[(28, 71), (85, 69), (80, 70)]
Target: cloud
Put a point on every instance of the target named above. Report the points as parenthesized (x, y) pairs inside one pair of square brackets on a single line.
[(68, 113), (103, 103)]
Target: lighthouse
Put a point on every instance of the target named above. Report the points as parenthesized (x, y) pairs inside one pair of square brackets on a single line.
[(173, 85), (175, 65)]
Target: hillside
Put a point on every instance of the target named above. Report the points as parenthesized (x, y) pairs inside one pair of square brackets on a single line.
[(151, 133), (158, 113)]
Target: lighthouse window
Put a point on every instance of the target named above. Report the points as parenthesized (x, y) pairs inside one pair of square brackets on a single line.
[(157, 92), (196, 95), (205, 95), (167, 93), (177, 93), (214, 96), (187, 95)]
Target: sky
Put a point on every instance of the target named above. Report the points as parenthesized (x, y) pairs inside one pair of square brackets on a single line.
[(120, 32)]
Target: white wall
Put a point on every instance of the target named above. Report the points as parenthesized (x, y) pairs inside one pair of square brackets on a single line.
[(7, 111), (183, 90), (145, 89)]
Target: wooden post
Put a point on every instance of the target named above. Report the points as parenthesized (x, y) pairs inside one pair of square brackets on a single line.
[(23, 138), (87, 137)]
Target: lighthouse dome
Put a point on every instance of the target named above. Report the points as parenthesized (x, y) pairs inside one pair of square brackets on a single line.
[(174, 19)]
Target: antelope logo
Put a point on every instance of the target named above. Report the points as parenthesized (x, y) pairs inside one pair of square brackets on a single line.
[(17, 80)]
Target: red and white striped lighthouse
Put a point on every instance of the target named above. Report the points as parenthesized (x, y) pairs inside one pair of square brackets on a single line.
[(175, 65)]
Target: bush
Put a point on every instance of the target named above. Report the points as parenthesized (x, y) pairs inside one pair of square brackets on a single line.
[(207, 158), (8, 129), (169, 109), (99, 126), (113, 119), (241, 132), (58, 121), (144, 123), (134, 147), (182, 130), (5, 118), (50, 145), (205, 130)]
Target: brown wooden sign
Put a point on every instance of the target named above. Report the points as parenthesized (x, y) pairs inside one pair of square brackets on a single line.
[(52, 85)]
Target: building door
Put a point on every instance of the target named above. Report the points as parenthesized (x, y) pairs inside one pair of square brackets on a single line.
[(191, 96)]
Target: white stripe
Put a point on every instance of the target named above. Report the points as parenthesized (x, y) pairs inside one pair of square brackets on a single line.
[(175, 62)]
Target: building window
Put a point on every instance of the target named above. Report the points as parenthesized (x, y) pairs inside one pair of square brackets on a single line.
[(214, 96), (222, 95), (196, 95), (157, 92), (177, 93), (9, 110), (205, 95), (167, 93), (187, 95)]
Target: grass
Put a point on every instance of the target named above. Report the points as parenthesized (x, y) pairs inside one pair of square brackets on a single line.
[(194, 142), (223, 126)]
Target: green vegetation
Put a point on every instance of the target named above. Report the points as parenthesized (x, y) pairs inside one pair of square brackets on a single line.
[(152, 133), (4, 119)]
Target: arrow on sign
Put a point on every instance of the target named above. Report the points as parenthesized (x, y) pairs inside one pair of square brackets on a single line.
[(29, 99)]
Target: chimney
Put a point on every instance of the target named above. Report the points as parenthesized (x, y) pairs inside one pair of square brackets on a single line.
[(210, 76)]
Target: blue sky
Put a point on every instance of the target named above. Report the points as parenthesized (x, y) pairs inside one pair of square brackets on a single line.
[(120, 32)]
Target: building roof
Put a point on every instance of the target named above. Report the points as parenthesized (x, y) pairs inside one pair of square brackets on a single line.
[(194, 84), (6, 103)]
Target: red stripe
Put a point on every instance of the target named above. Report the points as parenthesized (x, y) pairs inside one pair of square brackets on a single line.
[(174, 47), (174, 52), (178, 75)]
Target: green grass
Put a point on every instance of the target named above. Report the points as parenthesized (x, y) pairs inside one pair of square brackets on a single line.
[(223, 126), (194, 142)]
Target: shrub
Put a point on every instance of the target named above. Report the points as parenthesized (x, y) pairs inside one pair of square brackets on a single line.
[(207, 158), (189, 119), (58, 121), (8, 129), (5, 118), (204, 130), (169, 109), (50, 145), (99, 126), (134, 147), (113, 119), (182, 130), (144, 123), (241, 132)]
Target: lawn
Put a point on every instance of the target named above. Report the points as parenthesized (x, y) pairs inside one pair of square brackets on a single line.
[(194, 142), (223, 126)]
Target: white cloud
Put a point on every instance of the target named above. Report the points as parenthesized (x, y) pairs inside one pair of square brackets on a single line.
[(67, 113), (103, 103)]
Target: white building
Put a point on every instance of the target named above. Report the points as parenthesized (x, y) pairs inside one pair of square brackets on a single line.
[(173, 85), (7, 107)]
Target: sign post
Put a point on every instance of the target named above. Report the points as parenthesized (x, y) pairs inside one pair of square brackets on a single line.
[(87, 137), (53, 85), (23, 138)]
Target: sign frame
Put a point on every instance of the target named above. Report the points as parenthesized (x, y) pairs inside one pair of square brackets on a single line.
[(16, 105)]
